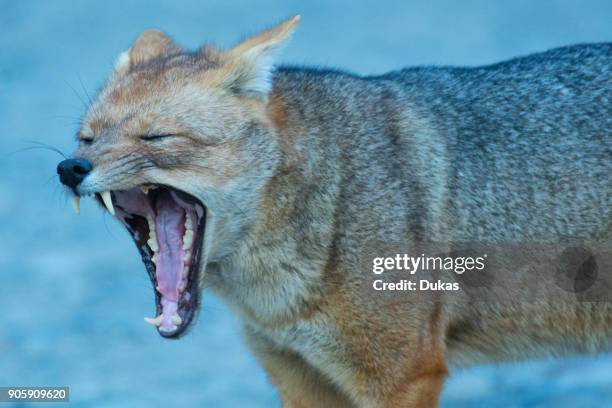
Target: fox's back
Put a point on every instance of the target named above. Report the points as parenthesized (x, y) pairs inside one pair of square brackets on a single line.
[(530, 142), (519, 150)]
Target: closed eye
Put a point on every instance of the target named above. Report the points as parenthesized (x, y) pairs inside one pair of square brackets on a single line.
[(152, 138)]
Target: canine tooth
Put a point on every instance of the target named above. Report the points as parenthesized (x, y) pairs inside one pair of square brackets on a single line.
[(157, 321), (176, 319), (154, 260), (145, 189), (153, 244), (108, 201), (76, 203)]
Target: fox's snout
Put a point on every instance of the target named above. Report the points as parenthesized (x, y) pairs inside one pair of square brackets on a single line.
[(73, 171)]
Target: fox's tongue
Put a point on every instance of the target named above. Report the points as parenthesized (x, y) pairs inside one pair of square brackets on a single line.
[(170, 228)]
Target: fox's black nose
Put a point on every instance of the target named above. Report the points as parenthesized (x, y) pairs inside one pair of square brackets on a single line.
[(73, 171)]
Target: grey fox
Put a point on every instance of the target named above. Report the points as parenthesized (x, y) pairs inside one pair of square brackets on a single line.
[(275, 189)]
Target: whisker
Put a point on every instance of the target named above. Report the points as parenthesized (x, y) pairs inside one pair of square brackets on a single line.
[(49, 179), (40, 145), (25, 149), (85, 90), (77, 94)]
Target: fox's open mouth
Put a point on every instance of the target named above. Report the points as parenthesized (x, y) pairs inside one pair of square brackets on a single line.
[(167, 226)]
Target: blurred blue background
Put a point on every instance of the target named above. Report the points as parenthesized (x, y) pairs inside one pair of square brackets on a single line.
[(73, 291)]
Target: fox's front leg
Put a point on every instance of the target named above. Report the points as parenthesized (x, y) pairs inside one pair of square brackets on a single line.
[(404, 373), (302, 386), (421, 392), (416, 389), (298, 383)]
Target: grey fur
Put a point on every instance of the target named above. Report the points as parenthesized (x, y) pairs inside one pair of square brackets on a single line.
[(515, 151)]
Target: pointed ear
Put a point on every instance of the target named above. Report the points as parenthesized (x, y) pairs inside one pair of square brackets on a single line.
[(151, 44), (252, 60)]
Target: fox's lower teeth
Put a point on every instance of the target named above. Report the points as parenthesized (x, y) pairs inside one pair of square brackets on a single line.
[(151, 223), (157, 321), (182, 285), (152, 241), (153, 244), (187, 239)]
